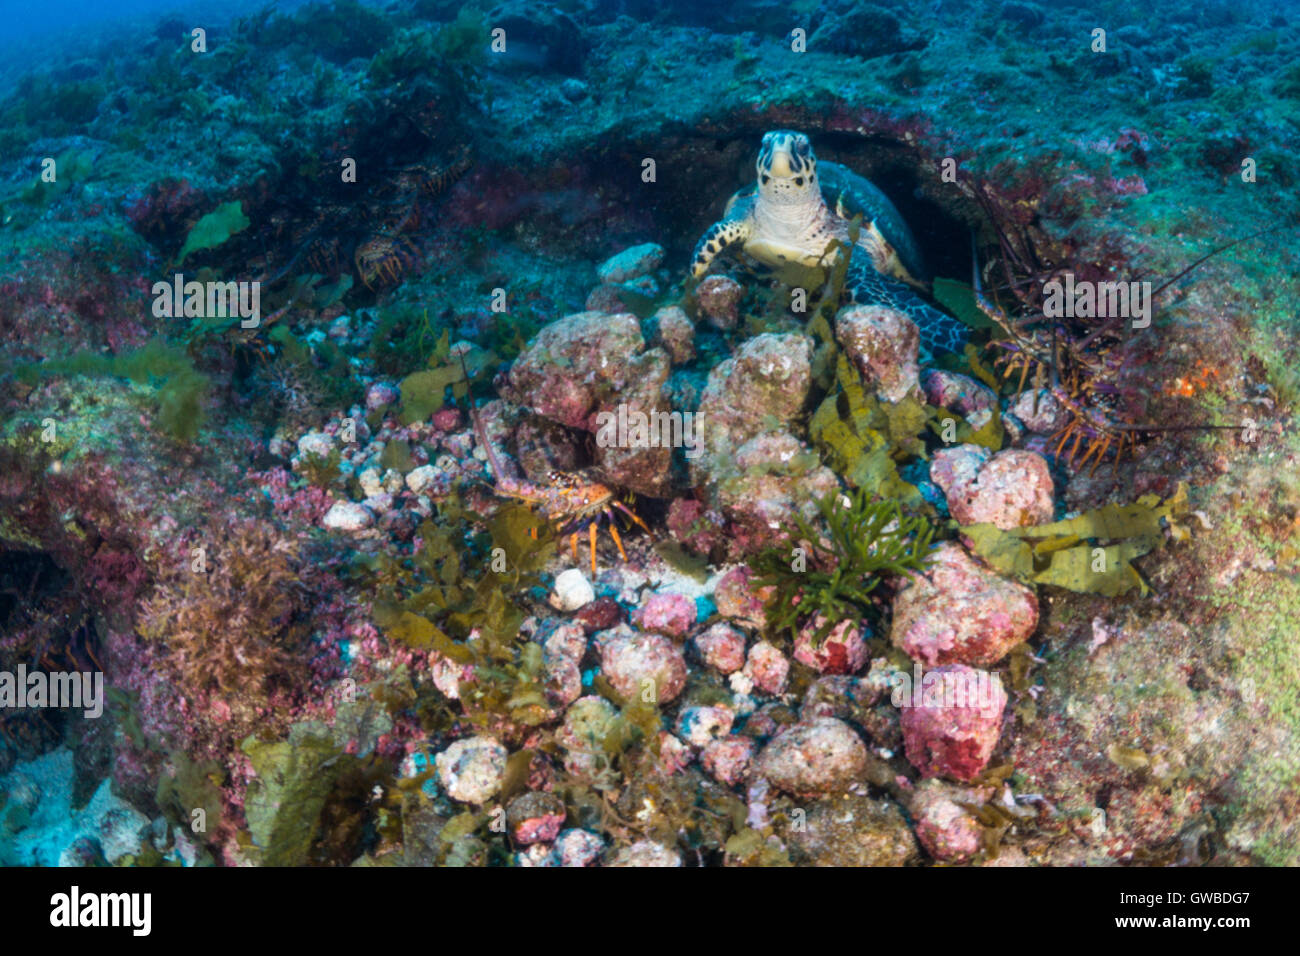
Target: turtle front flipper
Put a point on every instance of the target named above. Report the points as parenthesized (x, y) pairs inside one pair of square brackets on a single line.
[(939, 332), (732, 230)]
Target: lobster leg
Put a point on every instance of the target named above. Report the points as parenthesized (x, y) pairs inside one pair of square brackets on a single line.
[(631, 514), (613, 533), (591, 533)]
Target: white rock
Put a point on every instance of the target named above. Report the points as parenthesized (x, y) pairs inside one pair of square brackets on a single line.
[(471, 770), (572, 591), (316, 443), (631, 263), (348, 516), (418, 479), (121, 832), (371, 483)]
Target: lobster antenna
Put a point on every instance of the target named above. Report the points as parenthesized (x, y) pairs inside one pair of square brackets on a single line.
[(479, 431), (1224, 248)]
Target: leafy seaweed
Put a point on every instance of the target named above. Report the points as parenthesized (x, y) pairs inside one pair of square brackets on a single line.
[(860, 436), (841, 566), (180, 388), (959, 299), (1090, 553), (214, 229)]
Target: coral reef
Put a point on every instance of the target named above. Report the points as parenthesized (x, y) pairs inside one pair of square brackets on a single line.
[(496, 539)]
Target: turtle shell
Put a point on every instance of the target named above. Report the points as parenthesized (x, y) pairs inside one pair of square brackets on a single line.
[(884, 234)]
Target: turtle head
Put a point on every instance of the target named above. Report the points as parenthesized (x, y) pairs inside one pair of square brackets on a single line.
[(787, 168)]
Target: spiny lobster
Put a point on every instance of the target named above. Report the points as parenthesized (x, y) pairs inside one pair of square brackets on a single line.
[(566, 501), (1076, 378)]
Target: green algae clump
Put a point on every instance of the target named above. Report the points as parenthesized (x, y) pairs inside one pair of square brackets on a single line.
[(831, 574)]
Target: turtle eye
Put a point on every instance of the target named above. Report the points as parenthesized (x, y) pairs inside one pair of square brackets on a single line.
[(798, 180), (766, 179), (803, 147)]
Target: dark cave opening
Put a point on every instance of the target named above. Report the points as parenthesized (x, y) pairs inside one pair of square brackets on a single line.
[(697, 175)]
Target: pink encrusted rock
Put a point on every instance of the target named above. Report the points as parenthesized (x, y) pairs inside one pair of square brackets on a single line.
[(699, 725), (722, 647), (736, 598), (775, 479), (577, 848), (727, 759), (562, 652), (957, 392), (675, 333), (951, 723), (695, 527), (568, 641), (768, 668), (819, 756), (948, 831), (380, 394), (842, 651), (1010, 489), (766, 380), (719, 298), (884, 344), (957, 468), (447, 418), (960, 612), (535, 817), (579, 371), (1039, 410), (637, 664), (674, 754), (670, 614)]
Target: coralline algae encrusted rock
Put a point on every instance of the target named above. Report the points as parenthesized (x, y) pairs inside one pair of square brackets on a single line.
[(850, 830), (591, 363), (756, 472), (639, 663), (884, 344), (957, 392), (958, 611), (766, 380), (472, 769), (947, 830), (1009, 489), (842, 651), (722, 647), (951, 724), (817, 756)]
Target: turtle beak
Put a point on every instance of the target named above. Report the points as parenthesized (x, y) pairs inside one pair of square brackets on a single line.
[(781, 164)]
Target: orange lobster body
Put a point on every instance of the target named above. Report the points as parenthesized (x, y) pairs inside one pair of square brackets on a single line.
[(567, 500)]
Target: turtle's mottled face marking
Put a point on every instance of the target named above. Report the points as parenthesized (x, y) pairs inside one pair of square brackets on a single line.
[(787, 168)]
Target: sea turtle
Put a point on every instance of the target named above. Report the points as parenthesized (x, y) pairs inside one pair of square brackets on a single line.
[(795, 210)]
